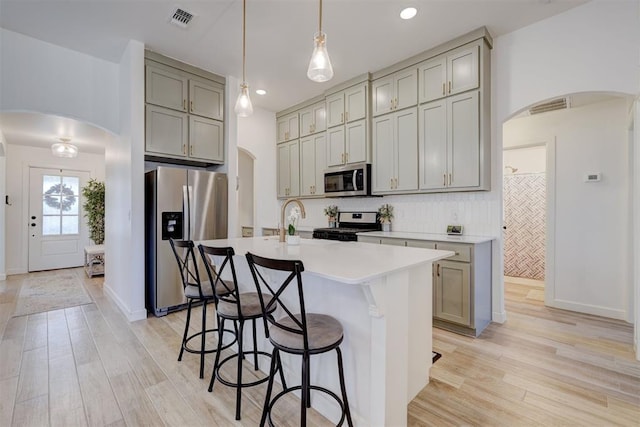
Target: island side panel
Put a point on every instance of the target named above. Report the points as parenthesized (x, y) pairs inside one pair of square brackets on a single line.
[(420, 328)]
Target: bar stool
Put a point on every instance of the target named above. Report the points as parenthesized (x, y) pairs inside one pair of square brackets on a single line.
[(238, 307), (196, 291), (301, 333)]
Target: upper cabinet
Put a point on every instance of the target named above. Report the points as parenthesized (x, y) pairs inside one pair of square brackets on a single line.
[(313, 119), (184, 113), (449, 74), (206, 99), (287, 127), (395, 92), (347, 106)]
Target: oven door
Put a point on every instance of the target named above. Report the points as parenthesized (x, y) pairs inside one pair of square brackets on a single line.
[(347, 181)]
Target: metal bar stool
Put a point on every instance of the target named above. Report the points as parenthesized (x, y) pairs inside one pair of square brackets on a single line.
[(196, 291), (300, 333), (237, 307)]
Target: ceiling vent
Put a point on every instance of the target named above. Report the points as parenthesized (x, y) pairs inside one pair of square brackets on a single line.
[(556, 104), (181, 18)]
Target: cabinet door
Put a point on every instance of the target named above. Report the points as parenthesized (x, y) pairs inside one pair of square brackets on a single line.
[(289, 169), (284, 170), (293, 126), (393, 242), (335, 146), (206, 99), (335, 109), (166, 88), (405, 84), (383, 153), (356, 142), (432, 77), (319, 117), (283, 129), (166, 131), (406, 149), (463, 70), (206, 139), (432, 145), (313, 155), (382, 92), (464, 140), (355, 101), (452, 292), (306, 122)]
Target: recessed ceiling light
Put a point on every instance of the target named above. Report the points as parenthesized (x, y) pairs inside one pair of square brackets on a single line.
[(261, 91), (408, 12)]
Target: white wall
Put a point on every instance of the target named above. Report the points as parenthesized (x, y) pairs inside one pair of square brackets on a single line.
[(3, 183), (42, 77), (577, 51), (21, 158), (124, 220), (526, 159), (591, 219)]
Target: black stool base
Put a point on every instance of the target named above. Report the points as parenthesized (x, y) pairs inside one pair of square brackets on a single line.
[(311, 387)]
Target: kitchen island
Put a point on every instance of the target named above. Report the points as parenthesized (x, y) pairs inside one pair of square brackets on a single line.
[(382, 295)]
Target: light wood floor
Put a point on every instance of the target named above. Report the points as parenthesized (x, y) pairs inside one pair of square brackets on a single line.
[(88, 366)]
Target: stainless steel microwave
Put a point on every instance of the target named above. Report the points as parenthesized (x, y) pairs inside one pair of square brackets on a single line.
[(350, 180)]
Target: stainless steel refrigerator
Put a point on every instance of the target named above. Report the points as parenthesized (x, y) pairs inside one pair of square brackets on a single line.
[(181, 204)]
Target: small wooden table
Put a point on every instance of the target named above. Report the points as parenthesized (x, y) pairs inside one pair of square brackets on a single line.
[(94, 260)]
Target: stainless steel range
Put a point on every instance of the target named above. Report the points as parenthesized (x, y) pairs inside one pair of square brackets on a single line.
[(350, 223)]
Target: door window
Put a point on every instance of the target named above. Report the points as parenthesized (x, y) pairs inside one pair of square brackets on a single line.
[(60, 205)]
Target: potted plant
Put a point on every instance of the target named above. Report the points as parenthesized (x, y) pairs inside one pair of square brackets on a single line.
[(93, 207), (331, 212), (292, 237), (385, 215)]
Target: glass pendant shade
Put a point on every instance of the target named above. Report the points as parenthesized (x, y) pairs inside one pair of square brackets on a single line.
[(64, 149), (243, 104), (320, 69)]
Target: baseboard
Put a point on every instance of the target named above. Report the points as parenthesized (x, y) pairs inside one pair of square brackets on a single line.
[(595, 310), (14, 271), (499, 317), (131, 316), (3, 276)]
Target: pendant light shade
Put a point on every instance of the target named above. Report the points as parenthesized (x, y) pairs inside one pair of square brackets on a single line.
[(320, 69), (64, 149), (243, 106)]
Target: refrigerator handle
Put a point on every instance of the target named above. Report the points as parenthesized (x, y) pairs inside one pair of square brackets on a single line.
[(186, 213)]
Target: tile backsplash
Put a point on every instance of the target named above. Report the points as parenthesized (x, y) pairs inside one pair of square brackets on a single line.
[(478, 212)]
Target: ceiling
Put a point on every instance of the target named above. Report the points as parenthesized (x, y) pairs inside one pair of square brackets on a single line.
[(362, 35)]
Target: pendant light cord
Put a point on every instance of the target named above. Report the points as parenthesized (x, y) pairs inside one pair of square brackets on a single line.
[(320, 25), (244, 42)]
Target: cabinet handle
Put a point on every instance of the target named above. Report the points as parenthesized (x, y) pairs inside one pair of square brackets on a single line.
[(444, 179), (438, 270), (341, 117), (444, 88), (391, 183), (346, 116), (395, 104), (191, 150), (449, 86), (391, 104), (449, 179), (396, 185), (184, 104), (191, 107), (184, 148)]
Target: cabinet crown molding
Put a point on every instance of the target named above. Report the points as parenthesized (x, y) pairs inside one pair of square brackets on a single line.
[(165, 60)]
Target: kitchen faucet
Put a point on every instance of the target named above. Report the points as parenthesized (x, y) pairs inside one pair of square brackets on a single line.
[(284, 206)]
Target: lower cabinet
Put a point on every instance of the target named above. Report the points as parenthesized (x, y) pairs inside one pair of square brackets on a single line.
[(461, 283)]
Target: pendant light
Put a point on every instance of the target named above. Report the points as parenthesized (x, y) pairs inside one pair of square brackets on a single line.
[(320, 69), (243, 104), (64, 148)]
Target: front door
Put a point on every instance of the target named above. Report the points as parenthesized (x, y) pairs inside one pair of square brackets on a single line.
[(57, 229)]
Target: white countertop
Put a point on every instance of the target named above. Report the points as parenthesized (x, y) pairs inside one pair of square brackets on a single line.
[(347, 262), (428, 236)]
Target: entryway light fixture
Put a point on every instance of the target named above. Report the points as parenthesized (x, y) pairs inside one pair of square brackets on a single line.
[(320, 69), (64, 149), (243, 104)]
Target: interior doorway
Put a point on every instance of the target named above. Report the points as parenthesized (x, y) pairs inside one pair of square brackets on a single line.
[(245, 187), (525, 213)]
